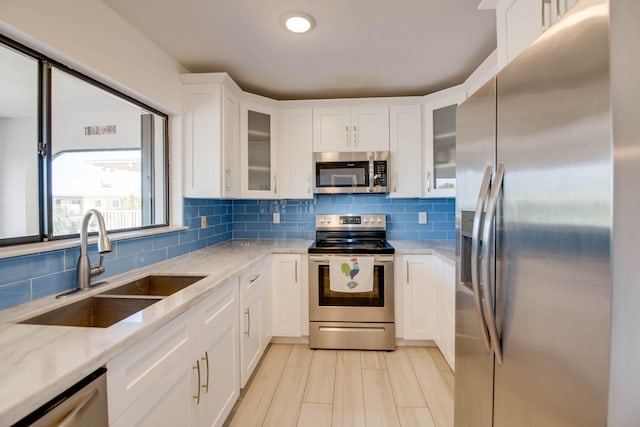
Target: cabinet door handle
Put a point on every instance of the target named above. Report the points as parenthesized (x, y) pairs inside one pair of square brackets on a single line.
[(205, 359), (355, 136), (296, 271), (227, 173), (558, 11), (275, 184), (346, 135), (196, 368), (395, 182), (408, 279), (254, 278), (429, 182), (544, 23), (248, 331), (308, 183)]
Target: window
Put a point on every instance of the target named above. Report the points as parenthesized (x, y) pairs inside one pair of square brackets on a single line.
[(19, 196), (69, 144)]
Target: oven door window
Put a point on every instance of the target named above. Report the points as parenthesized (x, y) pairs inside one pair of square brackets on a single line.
[(328, 298), (342, 174)]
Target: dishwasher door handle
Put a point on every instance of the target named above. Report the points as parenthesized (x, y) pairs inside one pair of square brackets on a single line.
[(71, 419)]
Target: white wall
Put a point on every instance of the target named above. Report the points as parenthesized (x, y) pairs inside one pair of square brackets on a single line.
[(18, 177), (91, 37)]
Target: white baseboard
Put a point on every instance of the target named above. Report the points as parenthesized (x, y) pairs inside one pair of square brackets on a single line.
[(290, 340)]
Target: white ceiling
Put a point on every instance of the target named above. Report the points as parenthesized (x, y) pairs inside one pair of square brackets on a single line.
[(358, 48)]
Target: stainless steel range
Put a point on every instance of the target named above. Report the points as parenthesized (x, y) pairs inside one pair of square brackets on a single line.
[(351, 304)]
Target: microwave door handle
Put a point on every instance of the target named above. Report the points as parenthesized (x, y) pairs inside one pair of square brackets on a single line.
[(371, 172)]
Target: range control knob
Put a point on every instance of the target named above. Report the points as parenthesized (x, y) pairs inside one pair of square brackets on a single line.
[(379, 221), (321, 220), (328, 220), (365, 220)]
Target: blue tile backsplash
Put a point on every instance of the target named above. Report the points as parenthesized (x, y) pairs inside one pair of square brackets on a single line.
[(29, 277), (253, 219)]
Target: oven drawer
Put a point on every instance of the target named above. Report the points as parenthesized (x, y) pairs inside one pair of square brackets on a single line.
[(350, 335)]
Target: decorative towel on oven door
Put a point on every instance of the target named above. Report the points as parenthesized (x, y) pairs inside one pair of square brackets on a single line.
[(351, 273)]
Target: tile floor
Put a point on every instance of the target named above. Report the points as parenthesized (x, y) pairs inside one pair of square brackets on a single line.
[(297, 386)]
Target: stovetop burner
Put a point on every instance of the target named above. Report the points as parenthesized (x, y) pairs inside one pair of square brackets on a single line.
[(351, 234)]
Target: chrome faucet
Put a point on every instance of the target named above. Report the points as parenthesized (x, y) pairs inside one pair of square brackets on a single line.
[(85, 272)]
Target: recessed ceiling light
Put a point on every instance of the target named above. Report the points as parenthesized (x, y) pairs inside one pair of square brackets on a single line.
[(298, 22)]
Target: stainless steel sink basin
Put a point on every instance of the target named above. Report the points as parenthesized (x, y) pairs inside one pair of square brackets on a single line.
[(93, 312), (161, 286)]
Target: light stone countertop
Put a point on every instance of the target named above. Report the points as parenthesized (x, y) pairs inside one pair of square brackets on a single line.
[(39, 362), (445, 248)]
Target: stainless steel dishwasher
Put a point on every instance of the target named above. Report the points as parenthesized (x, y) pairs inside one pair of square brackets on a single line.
[(82, 405)]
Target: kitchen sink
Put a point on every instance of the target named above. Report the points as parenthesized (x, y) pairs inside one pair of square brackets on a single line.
[(161, 286), (93, 312)]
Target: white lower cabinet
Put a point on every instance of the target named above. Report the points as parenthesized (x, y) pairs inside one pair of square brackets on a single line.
[(287, 282), (252, 318), (419, 275), (218, 356), (185, 373), (428, 301), (446, 312)]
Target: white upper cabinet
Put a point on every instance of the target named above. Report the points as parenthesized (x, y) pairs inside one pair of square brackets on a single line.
[(231, 144), (258, 151), (405, 146), (520, 22), (351, 128), (295, 147), (211, 136), (440, 141)]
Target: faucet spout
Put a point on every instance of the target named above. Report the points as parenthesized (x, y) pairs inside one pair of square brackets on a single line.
[(85, 272)]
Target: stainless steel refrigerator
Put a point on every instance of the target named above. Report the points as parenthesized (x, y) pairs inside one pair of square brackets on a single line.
[(546, 330)]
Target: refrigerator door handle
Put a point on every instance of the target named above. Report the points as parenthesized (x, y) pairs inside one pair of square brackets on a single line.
[(488, 273), (475, 252)]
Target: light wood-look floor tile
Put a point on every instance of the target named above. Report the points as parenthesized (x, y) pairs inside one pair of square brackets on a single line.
[(379, 405), (348, 401), (415, 417), (321, 377), (406, 388), (255, 403), (439, 359), (300, 356), (450, 379), (296, 386), (373, 360), (436, 391), (315, 415), (287, 401)]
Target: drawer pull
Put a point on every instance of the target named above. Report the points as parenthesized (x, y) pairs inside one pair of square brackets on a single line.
[(206, 364), (196, 368)]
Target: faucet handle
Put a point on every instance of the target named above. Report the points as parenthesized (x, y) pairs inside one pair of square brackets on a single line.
[(99, 269)]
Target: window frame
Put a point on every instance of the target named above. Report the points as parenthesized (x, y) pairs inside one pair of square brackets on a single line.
[(44, 152)]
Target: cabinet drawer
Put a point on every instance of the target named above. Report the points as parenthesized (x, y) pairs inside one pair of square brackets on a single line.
[(135, 371), (250, 281), (222, 303)]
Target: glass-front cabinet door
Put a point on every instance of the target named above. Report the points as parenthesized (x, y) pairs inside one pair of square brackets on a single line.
[(440, 142), (258, 151)]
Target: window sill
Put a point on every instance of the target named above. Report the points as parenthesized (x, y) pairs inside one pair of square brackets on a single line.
[(55, 245)]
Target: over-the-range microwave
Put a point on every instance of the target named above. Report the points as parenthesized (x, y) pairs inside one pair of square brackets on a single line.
[(351, 172)]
